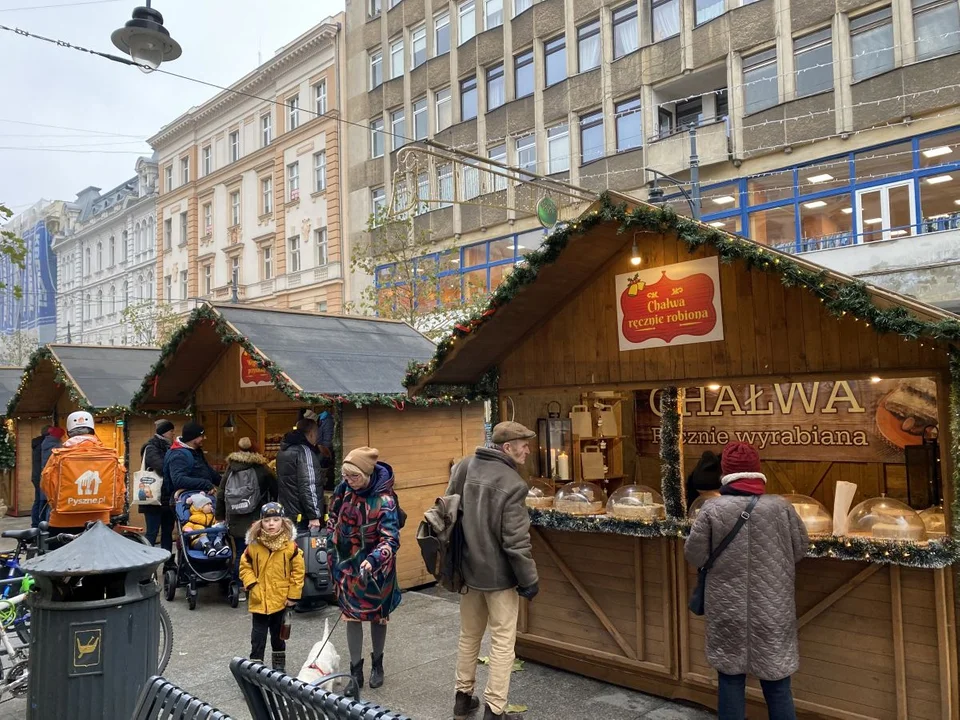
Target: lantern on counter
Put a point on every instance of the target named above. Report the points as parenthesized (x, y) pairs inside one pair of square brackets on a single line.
[(555, 436)]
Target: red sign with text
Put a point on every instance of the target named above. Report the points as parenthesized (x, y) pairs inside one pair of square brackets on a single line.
[(250, 374)]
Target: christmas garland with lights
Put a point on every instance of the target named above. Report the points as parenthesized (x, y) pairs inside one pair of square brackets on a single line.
[(8, 449), (553, 520), (671, 479)]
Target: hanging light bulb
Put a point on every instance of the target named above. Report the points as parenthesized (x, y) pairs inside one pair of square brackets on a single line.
[(635, 258)]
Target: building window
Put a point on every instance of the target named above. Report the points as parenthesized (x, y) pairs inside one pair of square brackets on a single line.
[(293, 113), (468, 21), (468, 98), (320, 171), (293, 252), (418, 47), (376, 69), (760, 81), (527, 153), (523, 73), (936, 26), (320, 240), (493, 13), (266, 195), (112, 251), (293, 181), (707, 10), (871, 44), (496, 91), (588, 46), (423, 193), (125, 298), (124, 243), (420, 119), (266, 129), (320, 97), (591, 137), (234, 146), (629, 125), (235, 270), (520, 5), (168, 178), (555, 60), (397, 129), (322, 306), (441, 34), (396, 58), (235, 208), (374, 8), (498, 153), (813, 60), (471, 180), (266, 265), (99, 256), (376, 138), (183, 229), (168, 288), (208, 219), (558, 149), (184, 170), (183, 284), (443, 109), (208, 280), (626, 35), (207, 154), (378, 201), (666, 19), (445, 184), (167, 238), (112, 300)]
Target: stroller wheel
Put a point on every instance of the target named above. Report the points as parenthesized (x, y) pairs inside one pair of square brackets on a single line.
[(233, 595), (192, 600), (170, 583)]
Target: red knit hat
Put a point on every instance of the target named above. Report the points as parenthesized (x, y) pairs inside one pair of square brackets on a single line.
[(739, 458), (57, 432)]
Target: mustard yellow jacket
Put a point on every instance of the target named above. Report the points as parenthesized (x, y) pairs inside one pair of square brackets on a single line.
[(271, 578)]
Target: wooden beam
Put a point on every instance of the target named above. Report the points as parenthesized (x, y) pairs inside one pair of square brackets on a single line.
[(948, 670), (899, 653), (638, 591), (830, 599), (669, 631), (587, 597)]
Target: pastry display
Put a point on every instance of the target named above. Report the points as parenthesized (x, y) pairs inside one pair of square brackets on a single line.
[(697, 505), (536, 498), (934, 520), (886, 519), (636, 502), (814, 515), (580, 499)]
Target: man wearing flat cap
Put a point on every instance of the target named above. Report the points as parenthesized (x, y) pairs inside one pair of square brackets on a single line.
[(498, 566)]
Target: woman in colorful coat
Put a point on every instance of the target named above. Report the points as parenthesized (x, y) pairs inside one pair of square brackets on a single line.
[(364, 536)]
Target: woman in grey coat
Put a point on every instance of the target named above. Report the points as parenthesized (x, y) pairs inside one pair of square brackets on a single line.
[(751, 612)]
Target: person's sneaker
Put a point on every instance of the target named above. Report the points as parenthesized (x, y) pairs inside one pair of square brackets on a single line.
[(211, 552), (464, 704), (224, 551), (243, 595)]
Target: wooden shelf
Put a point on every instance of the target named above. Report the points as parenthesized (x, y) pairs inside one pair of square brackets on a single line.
[(598, 439)]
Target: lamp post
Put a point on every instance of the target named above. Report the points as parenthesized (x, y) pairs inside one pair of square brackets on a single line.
[(146, 40)]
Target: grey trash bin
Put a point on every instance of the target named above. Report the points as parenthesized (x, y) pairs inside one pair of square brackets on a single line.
[(95, 627)]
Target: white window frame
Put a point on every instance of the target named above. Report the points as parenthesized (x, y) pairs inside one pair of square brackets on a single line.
[(184, 278), (766, 60), (266, 194), (558, 138), (442, 100), (293, 254), (234, 141), (321, 243), (266, 129), (320, 171), (520, 6), (396, 58), (207, 155), (320, 97), (466, 21), (235, 215), (445, 185), (377, 141), (398, 124), (884, 191), (418, 36), (293, 112), (527, 144), (184, 170), (498, 153), (293, 181), (425, 113), (868, 23), (376, 69), (439, 22), (208, 279), (490, 15), (207, 219)]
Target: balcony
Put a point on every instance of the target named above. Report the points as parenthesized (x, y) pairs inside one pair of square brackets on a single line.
[(671, 154)]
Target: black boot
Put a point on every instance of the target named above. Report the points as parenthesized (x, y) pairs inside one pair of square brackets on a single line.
[(357, 672), (280, 661), (464, 704), (376, 673), (489, 714)]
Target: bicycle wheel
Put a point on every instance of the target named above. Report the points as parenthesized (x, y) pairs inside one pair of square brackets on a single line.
[(166, 641)]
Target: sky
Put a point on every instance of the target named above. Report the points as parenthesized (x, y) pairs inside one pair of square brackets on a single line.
[(44, 84)]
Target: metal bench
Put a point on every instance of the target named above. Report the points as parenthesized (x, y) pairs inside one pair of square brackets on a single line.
[(162, 700)]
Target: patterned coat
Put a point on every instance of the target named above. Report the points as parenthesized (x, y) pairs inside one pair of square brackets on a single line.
[(363, 526)]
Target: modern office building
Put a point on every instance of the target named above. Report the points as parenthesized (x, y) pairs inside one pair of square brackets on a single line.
[(250, 183), (823, 127)]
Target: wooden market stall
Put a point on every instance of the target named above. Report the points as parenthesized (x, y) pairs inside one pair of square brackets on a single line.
[(9, 382), (61, 379), (249, 371), (712, 338)]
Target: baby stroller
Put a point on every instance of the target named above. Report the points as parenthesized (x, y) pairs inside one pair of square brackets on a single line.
[(194, 568)]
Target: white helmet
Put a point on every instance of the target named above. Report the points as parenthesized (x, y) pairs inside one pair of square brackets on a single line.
[(79, 419)]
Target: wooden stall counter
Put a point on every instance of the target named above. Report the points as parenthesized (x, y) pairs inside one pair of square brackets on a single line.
[(876, 640)]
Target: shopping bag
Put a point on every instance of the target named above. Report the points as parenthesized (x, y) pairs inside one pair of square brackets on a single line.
[(582, 424), (591, 461), (146, 485), (606, 421)]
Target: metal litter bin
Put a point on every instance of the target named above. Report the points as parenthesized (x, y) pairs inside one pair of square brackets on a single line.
[(95, 627)]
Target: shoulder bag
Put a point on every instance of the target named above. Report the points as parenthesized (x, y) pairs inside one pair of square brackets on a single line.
[(697, 602)]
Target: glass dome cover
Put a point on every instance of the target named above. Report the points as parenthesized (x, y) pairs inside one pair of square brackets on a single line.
[(814, 515), (537, 498), (934, 520), (636, 502), (886, 519), (697, 505), (582, 498)]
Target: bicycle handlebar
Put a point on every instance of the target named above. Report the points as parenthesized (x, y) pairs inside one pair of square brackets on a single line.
[(64, 538)]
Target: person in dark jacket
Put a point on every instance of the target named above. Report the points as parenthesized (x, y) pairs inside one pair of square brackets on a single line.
[(51, 442), (246, 458), (324, 444), (36, 468), (705, 477), (300, 476), (185, 466), (159, 518)]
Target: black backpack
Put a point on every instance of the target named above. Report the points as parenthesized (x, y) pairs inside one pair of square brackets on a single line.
[(241, 491)]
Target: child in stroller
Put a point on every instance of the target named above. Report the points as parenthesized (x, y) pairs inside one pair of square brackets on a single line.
[(201, 518)]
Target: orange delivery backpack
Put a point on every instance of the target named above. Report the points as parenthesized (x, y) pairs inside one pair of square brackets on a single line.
[(84, 479)]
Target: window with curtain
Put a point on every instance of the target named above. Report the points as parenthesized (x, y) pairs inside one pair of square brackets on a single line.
[(493, 12), (626, 36), (813, 62), (666, 19), (396, 58), (376, 69), (444, 118), (527, 153), (707, 10), (629, 125), (523, 73), (760, 89), (423, 193), (555, 60), (588, 46), (520, 5), (936, 27), (496, 91), (445, 184), (591, 137), (871, 43), (467, 14), (471, 180), (498, 153), (376, 138)]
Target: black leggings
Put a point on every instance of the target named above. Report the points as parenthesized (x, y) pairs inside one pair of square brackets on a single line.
[(258, 636)]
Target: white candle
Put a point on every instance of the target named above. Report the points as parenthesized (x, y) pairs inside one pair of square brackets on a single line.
[(563, 466)]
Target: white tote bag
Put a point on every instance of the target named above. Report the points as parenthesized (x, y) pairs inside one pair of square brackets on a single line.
[(146, 485)]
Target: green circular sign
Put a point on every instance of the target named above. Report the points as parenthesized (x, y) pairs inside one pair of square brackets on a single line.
[(547, 212)]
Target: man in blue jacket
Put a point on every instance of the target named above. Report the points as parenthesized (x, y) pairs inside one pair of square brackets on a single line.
[(185, 467)]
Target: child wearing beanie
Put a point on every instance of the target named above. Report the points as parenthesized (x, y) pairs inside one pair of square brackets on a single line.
[(272, 571)]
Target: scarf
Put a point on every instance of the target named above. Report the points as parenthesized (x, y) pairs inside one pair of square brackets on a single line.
[(272, 542), (744, 487)]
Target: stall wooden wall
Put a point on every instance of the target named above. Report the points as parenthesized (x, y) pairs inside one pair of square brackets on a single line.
[(420, 444), (27, 429)]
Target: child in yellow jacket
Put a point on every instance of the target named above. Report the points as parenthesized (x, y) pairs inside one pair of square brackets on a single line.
[(271, 570)]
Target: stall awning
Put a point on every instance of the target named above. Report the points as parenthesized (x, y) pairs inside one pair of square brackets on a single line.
[(9, 382), (98, 377), (328, 355)]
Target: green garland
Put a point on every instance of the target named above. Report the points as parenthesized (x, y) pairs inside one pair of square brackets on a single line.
[(553, 520), (8, 449), (954, 441), (671, 479)]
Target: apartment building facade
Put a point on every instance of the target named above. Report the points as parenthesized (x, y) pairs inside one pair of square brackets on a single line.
[(823, 126), (106, 255), (250, 184)]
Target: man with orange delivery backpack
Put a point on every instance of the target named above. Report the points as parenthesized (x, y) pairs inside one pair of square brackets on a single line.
[(83, 480)]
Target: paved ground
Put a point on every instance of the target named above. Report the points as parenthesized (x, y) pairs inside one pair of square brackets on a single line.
[(419, 661)]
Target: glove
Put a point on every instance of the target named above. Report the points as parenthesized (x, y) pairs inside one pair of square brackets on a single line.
[(529, 592)]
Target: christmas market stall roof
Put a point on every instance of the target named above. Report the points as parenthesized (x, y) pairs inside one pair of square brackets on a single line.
[(96, 377), (9, 382), (310, 357), (577, 253)]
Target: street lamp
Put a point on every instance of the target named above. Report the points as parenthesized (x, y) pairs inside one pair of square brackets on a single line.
[(656, 192), (146, 40)]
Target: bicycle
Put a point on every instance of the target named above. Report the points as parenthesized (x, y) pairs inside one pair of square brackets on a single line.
[(15, 670)]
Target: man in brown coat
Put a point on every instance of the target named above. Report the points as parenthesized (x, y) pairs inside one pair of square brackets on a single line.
[(498, 566), (750, 604)]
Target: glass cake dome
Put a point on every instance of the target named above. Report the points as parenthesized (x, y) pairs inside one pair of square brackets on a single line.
[(697, 504), (582, 498), (636, 502), (934, 520), (537, 498), (884, 518), (814, 515)]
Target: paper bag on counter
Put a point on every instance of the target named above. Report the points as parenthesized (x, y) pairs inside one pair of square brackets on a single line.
[(607, 421), (842, 500), (582, 424), (591, 461)]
